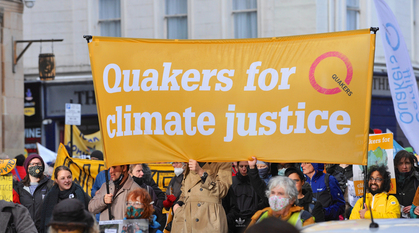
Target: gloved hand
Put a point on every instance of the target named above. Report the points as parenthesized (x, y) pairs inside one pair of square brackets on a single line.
[(169, 201)]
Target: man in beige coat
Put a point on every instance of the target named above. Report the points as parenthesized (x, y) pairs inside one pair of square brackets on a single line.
[(118, 190), (199, 207)]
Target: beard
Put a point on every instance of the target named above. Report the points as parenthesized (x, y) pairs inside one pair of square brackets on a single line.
[(380, 189)]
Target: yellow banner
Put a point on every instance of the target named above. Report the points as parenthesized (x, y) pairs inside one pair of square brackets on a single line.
[(380, 152), (84, 170), (83, 144), (7, 165), (6, 187), (162, 174), (301, 98)]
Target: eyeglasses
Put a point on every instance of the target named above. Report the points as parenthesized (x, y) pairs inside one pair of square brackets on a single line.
[(378, 179), (35, 164), (136, 204)]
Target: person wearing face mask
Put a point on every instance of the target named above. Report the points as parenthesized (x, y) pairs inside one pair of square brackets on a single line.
[(34, 187), (264, 169), (121, 185), (64, 188), (283, 195), (176, 181), (139, 206)]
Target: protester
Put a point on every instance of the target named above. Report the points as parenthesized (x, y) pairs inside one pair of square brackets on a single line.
[(199, 206), (272, 225), (96, 155), (139, 206), (142, 170), (19, 172), (407, 180), (141, 174), (378, 200), (19, 219), (70, 216), (121, 184), (264, 169), (283, 195), (242, 201), (63, 188), (325, 189), (34, 187), (173, 189), (305, 195)]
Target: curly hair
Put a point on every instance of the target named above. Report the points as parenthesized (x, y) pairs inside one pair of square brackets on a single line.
[(384, 173), (144, 198)]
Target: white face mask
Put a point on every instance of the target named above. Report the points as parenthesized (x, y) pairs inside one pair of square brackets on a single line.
[(178, 171), (278, 203)]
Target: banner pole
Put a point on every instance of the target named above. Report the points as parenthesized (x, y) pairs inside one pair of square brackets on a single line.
[(107, 191), (71, 137), (364, 195)]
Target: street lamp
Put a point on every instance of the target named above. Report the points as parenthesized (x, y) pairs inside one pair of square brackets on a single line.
[(29, 3)]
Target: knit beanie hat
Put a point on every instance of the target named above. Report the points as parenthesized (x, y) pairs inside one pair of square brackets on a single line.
[(30, 157)]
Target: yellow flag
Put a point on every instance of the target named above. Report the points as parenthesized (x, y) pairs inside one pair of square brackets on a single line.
[(7, 165), (290, 99), (83, 144), (84, 171)]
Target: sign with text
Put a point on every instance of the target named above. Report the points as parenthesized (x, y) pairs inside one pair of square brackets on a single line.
[(72, 114), (6, 187), (227, 100), (380, 152)]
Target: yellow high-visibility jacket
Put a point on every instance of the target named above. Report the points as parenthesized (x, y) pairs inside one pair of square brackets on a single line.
[(382, 205)]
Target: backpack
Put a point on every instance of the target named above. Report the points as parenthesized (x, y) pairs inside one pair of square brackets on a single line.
[(340, 178), (11, 228)]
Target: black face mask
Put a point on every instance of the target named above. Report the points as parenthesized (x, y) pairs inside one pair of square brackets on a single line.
[(118, 181), (137, 180), (36, 171)]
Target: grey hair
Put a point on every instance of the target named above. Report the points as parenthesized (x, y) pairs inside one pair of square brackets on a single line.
[(286, 183)]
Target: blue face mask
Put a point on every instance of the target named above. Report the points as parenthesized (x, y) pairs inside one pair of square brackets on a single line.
[(134, 213), (263, 173), (281, 172)]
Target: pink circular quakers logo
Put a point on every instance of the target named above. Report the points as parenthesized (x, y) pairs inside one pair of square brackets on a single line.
[(335, 90)]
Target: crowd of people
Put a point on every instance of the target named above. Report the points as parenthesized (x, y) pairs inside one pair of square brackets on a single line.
[(208, 197)]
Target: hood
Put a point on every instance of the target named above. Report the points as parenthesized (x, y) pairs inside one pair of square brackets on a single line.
[(318, 167)]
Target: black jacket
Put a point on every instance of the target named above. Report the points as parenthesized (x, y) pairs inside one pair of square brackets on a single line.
[(241, 203), (259, 186), (406, 188), (309, 204), (34, 203)]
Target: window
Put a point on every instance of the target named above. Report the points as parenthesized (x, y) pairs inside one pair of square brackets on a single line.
[(176, 19), (110, 18), (352, 14), (245, 18)]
